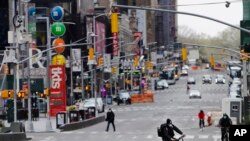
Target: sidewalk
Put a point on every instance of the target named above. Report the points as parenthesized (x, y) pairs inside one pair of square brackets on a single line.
[(39, 125)]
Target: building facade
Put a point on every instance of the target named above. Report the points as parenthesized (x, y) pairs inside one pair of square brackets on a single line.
[(166, 24)]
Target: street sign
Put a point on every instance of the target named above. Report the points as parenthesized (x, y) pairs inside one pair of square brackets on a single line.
[(57, 13), (58, 29), (59, 43)]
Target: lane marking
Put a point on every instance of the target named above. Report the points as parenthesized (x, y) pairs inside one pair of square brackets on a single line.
[(203, 136)]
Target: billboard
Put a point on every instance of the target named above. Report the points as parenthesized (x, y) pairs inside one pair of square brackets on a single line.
[(57, 89), (100, 39)]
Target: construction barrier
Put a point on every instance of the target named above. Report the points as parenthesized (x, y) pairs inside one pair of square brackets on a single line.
[(147, 96)]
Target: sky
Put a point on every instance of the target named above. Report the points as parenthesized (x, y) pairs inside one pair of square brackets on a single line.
[(233, 15)]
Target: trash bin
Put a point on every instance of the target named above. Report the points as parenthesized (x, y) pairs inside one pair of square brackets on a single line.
[(35, 113), (82, 114), (91, 112), (73, 116), (61, 119), (109, 100)]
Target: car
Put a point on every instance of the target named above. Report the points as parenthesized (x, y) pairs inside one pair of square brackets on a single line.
[(194, 94), (207, 79), (235, 87), (162, 84), (236, 81), (87, 103), (184, 72), (234, 94), (185, 67), (219, 79), (123, 97), (191, 80)]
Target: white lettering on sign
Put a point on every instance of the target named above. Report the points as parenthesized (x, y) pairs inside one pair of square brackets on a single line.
[(239, 132), (56, 77), (38, 59)]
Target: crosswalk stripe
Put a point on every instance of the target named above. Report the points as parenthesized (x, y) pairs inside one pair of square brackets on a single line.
[(203, 136), (189, 137), (149, 136)]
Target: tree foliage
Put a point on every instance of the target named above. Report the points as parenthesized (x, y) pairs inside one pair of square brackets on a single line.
[(228, 38)]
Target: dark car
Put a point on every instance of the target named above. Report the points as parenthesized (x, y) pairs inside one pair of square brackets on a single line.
[(123, 98), (206, 79)]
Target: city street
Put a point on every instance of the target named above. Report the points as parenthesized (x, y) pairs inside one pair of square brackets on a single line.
[(139, 122)]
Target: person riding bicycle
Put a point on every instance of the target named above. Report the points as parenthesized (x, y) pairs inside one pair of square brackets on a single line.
[(201, 117), (168, 129), (225, 123)]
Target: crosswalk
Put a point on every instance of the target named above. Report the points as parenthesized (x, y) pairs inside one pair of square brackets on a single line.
[(141, 135)]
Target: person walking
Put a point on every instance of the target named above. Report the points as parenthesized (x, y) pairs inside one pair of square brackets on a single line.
[(110, 118)]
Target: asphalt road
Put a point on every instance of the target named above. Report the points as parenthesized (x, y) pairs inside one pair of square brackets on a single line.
[(138, 122)]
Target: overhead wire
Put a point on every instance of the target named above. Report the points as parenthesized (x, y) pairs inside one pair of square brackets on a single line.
[(197, 4)]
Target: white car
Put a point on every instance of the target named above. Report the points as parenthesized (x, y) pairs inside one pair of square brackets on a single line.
[(162, 84), (191, 80), (220, 79), (185, 67), (194, 94), (236, 81), (184, 72), (234, 94), (87, 103)]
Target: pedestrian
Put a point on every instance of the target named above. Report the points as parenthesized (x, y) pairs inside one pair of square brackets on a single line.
[(110, 118), (201, 116)]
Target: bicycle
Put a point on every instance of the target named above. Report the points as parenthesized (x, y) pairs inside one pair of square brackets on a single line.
[(226, 134), (181, 138), (202, 124)]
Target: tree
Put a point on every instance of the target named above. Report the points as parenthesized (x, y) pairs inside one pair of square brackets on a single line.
[(228, 38)]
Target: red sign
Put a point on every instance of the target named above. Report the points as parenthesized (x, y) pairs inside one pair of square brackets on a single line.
[(115, 44), (100, 39), (57, 89)]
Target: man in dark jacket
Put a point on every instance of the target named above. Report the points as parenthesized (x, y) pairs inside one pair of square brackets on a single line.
[(168, 129), (225, 123), (110, 118)]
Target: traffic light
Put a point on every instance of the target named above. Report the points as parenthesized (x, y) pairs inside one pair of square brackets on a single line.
[(21, 94), (46, 92), (114, 22), (42, 95), (212, 61), (184, 54), (5, 94), (91, 53), (246, 48), (136, 61)]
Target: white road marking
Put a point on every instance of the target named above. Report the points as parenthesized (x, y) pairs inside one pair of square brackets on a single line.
[(149, 136), (67, 132), (203, 136), (216, 137), (134, 137), (189, 137)]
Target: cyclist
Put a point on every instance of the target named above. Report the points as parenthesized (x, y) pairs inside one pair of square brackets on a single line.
[(201, 117), (225, 123), (168, 129)]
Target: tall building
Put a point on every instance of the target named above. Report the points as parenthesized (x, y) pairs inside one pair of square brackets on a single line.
[(166, 24)]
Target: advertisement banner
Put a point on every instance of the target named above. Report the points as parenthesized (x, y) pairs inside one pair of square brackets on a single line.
[(115, 44), (57, 89), (76, 62), (100, 39)]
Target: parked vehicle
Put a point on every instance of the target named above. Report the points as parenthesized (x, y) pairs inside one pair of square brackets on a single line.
[(85, 104), (162, 84), (123, 97)]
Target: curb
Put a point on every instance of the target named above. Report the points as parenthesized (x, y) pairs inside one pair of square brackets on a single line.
[(82, 124), (13, 137)]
